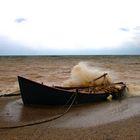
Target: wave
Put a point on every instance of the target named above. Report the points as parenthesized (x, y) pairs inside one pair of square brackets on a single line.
[(83, 75), (133, 90)]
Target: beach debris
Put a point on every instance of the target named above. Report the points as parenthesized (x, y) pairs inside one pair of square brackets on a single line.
[(109, 98)]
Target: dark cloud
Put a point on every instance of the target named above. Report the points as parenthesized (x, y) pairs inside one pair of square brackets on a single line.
[(10, 47), (20, 20), (124, 29), (124, 50)]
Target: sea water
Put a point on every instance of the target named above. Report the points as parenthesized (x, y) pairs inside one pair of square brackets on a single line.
[(56, 70)]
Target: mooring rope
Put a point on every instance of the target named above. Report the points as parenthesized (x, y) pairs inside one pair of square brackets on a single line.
[(15, 93), (48, 120)]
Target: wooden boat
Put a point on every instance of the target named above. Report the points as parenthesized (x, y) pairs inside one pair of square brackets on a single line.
[(39, 94)]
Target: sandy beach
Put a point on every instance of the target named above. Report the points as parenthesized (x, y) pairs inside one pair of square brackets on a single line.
[(106, 120)]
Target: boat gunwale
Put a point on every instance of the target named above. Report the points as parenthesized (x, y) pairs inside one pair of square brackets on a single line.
[(76, 88)]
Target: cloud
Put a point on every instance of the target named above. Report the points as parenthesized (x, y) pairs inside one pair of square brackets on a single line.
[(20, 20), (124, 29), (136, 35), (64, 27), (10, 47)]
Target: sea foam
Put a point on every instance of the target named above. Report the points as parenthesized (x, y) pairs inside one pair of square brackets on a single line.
[(83, 75)]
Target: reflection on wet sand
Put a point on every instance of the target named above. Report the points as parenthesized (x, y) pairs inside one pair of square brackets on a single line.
[(13, 112)]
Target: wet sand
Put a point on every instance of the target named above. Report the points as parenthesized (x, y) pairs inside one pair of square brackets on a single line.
[(106, 120)]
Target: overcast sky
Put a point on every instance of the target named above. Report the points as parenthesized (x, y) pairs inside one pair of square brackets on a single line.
[(69, 27)]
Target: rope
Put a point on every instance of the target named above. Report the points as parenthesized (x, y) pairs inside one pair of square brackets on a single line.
[(44, 121), (15, 93), (69, 99)]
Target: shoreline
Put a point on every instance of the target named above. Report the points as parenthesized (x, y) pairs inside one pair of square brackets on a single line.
[(108, 120)]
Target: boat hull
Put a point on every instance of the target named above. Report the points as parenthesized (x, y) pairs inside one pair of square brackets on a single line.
[(39, 94)]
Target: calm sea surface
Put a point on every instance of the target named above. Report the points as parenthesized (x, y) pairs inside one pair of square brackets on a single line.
[(53, 70)]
